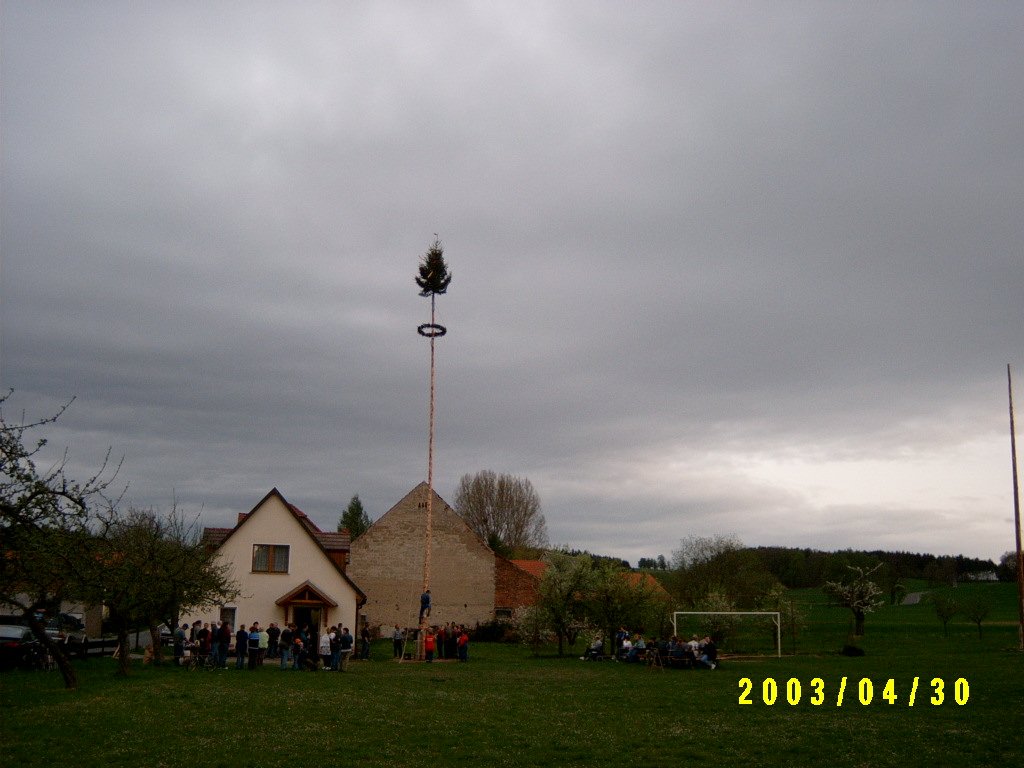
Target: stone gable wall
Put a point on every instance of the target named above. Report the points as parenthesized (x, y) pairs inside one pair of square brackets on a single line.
[(387, 562)]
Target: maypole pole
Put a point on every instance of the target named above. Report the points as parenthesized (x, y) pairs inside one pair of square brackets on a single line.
[(1016, 515), (433, 279)]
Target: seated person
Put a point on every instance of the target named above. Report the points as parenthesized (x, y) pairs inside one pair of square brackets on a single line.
[(595, 649), (624, 650), (681, 656), (708, 654)]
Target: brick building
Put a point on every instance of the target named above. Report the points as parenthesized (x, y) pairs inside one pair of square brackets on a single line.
[(469, 583)]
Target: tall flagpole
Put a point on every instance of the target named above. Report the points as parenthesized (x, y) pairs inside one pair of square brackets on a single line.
[(1016, 513)]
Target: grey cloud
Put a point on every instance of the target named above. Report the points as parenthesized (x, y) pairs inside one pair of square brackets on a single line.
[(685, 239)]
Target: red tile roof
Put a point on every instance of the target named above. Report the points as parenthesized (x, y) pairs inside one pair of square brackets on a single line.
[(538, 567), (331, 542), (533, 567)]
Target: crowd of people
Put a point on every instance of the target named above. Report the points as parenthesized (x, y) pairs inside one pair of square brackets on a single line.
[(446, 641), (303, 648), (672, 651), (297, 648)]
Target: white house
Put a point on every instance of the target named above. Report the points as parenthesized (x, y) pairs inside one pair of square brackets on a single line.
[(287, 569)]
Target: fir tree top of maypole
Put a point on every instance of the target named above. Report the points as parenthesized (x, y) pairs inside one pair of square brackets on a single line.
[(433, 279), (434, 276)]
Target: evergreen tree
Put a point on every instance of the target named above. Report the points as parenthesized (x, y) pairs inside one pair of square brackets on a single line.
[(434, 277), (354, 518)]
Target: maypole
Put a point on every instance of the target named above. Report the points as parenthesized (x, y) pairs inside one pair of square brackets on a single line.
[(433, 279), (1016, 515)]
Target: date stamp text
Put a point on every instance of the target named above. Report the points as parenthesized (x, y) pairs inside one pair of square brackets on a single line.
[(863, 691)]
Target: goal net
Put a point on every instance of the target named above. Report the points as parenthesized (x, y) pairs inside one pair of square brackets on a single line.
[(734, 628)]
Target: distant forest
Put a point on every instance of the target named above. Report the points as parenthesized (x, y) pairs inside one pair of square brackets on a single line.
[(802, 568)]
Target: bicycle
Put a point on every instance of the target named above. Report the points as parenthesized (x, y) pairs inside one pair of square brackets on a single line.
[(199, 661), (36, 657)]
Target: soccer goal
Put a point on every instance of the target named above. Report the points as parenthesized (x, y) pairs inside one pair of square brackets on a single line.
[(776, 619)]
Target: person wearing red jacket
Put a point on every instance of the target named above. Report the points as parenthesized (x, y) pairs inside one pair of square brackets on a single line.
[(428, 645)]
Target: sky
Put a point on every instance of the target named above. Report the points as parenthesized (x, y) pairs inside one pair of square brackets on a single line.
[(739, 268)]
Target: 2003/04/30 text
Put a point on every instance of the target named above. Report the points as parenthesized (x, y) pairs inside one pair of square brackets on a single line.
[(958, 691)]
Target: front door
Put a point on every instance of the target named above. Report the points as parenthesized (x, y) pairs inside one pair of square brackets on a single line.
[(308, 616)]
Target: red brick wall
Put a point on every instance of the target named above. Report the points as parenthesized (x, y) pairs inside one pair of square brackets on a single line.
[(514, 587)]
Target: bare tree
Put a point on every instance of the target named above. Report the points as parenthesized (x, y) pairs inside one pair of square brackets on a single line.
[(503, 510), (945, 609), (706, 565), (45, 519), (976, 608), (149, 568)]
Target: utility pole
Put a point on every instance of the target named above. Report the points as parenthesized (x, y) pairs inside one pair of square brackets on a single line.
[(1016, 514)]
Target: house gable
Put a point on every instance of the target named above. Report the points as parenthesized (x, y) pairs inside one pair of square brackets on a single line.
[(275, 522), (307, 593), (389, 559), (275, 551)]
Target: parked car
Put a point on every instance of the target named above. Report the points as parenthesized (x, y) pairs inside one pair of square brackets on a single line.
[(166, 636), (63, 629), (13, 640)]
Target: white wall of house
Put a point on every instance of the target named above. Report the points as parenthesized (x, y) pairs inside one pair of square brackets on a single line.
[(272, 523)]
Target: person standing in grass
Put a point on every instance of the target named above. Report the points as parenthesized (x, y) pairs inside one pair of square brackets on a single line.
[(241, 646), (451, 641), (347, 641), (398, 642), (284, 644), (254, 645), (264, 645), (203, 638), (223, 644), (274, 632), (334, 641), (428, 644), (325, 648), (463, 645), (441, 639), (298, 652), (364, 635), (180, 637)]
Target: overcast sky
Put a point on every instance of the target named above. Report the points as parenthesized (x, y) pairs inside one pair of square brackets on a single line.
[(737, 268)]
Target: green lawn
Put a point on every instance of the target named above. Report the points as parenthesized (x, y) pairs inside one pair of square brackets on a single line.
[(508, 707)]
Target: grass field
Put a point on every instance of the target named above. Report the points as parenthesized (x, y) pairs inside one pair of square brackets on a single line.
[(509, 707)]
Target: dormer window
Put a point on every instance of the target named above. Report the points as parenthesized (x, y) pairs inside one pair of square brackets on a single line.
[(270, 558)]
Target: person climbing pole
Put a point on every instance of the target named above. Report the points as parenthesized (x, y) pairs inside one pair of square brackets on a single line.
[(425, 605)]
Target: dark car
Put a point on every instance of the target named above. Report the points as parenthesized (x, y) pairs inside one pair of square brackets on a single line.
[(14, 638), (63, 628), (66, 628)]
